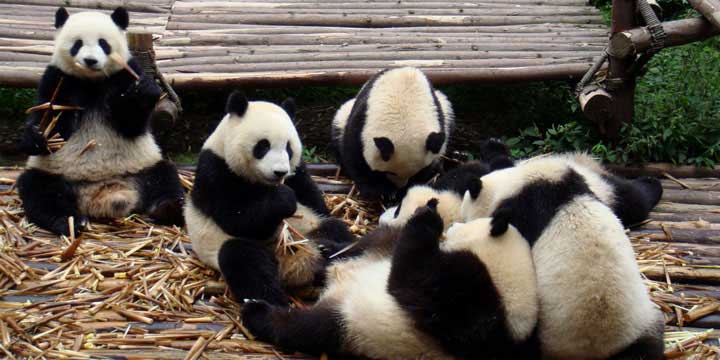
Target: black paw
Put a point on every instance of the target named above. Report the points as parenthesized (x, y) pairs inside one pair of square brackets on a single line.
[(492, 148), (37, 139), (428, 218), (286, 201), (256, 317), (61, 225), (653, 187), (168, 212), (500, 221)]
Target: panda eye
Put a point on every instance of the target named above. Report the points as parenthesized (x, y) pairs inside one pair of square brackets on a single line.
[(76, 47), (261, 148), (289, 150), (105, 46), (397, 211)]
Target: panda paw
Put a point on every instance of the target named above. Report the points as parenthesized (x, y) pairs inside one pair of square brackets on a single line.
[(37, 139), (256, 317), (168, 212), (427, 219), (285, 201), (61, 226), (145, 91)]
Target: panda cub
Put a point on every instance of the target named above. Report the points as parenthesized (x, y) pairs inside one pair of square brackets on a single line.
[(589, 285), (393, 133), (469, 296), (110, 165), (249, 180)]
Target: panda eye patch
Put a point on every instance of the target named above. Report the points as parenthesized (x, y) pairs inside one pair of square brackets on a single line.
[(289, 150), (76, 47), (261, 148), (105, 46)]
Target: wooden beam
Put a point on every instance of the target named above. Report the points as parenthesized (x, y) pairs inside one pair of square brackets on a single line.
[(679, 32), (620, 83), (710, 9)]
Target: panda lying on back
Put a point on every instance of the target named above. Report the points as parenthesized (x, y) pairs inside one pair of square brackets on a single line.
[(393, 133), (124, 172), (249, 179), (464, 296)]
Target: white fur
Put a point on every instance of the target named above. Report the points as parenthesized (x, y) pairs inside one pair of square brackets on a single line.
[(206, 236), (236, 136), (89, 26), (400, 106), (589, 284), (510, 264), (339, 122), (113, 155), (448, 206), (115, 198)]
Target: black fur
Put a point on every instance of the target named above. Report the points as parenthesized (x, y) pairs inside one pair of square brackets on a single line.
[(371, 184), (76, 47), (315, 330), (61, 16), (450, 295), (289, 106), (48, 200), (236, 104), (306, 190), (385, 146), (161, 193), (107, 49), (261, 148), (461, 178), (648, 347), (250, 269), (495, 153), (121, 18), (634, 199), (532, 209), (435, 142)]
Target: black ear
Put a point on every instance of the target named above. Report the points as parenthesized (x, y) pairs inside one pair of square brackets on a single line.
[(289, 106), (500, 221), (61, 16), (121, 18), (474, 186), (435, 142), (385, 146), (237, 103)]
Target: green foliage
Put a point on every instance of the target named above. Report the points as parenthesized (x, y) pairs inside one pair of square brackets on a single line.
[(677, 115), (13, 102), (312, 155)]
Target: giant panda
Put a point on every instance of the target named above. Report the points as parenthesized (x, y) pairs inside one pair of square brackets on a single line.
[(393, 133), (250, 178), (469, 296), (110, 165), (593, 303)]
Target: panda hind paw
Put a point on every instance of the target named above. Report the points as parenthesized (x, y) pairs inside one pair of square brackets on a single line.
[(256, 317)]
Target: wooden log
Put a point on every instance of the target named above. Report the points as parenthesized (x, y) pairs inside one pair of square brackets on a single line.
[(694, 236), (511, 2), (694, 184), (683, 274), (165, 113), (688, 225), (596, 104), (415, 11), (622, 83), (95, 4), (193, 6), (679, 32), (663, 216), (692, 196), (180, 26), (658, 169), (671, 207), (710, 9)]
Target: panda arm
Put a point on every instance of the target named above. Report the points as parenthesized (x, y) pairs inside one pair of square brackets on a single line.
[(32, 142), (306, 191), (131, 102)]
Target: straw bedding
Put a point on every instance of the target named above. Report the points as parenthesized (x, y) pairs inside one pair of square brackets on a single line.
[(132, 289)]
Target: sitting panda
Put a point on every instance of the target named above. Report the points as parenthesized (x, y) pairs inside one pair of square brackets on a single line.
[(471, 296), (249, 180), (393, 133), (124, 171), (589, 285)]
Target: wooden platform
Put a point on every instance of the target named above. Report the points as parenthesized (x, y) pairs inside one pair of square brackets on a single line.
[(286, 42), (133, 290)]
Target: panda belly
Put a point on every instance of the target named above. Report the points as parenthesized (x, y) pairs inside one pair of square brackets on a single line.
[(112, 155), (592, 298), (374, 323), (114, 198), (299, 268), (206, 236)]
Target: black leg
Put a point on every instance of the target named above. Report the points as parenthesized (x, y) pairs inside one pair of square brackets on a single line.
[(250, 270), (635, 198), (49, 200), (313, 331), (162, 193), (648, 347)]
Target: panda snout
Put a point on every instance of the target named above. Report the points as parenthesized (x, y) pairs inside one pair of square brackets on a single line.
[(90, 62), (280, 173)]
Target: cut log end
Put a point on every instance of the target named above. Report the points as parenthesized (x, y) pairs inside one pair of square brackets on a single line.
[(596, 104)]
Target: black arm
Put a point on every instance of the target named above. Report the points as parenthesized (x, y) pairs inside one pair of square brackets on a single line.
[(32, 142), (306, 190), (131, 102)]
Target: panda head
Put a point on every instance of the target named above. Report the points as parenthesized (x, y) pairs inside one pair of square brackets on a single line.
[(448, 206), (85, 41), (258, 139), (403, 132)]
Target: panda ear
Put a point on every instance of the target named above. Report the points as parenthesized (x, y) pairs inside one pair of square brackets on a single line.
[(435, 142), (237, 103), (121, 18), (474, 186), (289, 106), (385, 146), (500, 221), (61, 16)]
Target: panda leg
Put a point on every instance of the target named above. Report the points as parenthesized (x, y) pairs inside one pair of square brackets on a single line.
[(315, 330), (635, 198), (162, 194), (649, 346), (251, 271), (49, 200)]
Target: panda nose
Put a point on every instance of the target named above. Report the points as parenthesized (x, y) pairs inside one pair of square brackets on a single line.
[(280, 173), (90, 61)]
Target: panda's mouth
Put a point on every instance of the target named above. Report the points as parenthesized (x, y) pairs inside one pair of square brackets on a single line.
[(93, 68)]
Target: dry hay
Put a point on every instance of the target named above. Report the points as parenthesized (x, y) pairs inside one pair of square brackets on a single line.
[(135, 289)]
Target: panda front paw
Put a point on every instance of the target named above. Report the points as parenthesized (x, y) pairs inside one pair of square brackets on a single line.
[(285, 201), (61, 225), (256, 317), (35, 142), (428, 219), (145, 91)]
